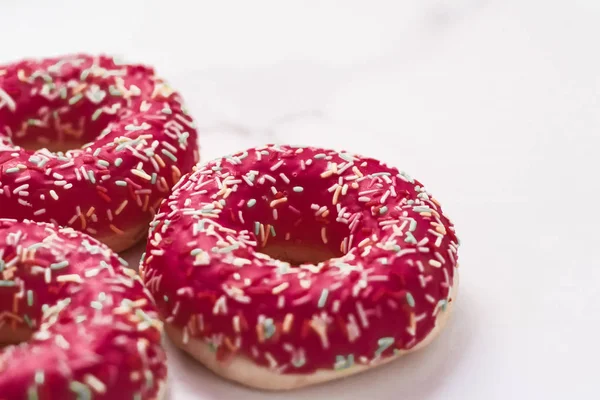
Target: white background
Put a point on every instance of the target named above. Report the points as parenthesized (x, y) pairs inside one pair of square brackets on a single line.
[(494, 105)]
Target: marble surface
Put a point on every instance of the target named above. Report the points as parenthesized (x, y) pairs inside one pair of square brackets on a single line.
[(494, 105)]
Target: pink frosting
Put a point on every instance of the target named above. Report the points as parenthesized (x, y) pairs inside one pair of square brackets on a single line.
[(139, 137), (96, 330), (398, 255)]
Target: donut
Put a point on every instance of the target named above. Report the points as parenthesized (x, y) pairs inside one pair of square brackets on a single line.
[(284, 266), (87, 326), (90, 143)]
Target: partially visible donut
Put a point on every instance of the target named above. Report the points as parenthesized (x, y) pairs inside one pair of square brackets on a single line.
[(284, 266), (91, 329), (90, 143)]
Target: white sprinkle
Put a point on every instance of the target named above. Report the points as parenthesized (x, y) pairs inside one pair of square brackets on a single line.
[(12, 106), (362, 315), (270, 178), (277, 165), (236, 324), (220, 306), (20, 188), (69, 278), (336, 306), (95, 383), (186, 335), (284, 177), (385, 196), (280, 288)]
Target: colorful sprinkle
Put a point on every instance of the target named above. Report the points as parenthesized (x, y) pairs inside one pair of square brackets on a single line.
[(309, 282), (148, 154)]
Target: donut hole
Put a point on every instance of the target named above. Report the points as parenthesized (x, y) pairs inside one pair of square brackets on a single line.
[(292, 231), (307, 242), (35, 132), (10, 336), (299, 253), (55, 146)]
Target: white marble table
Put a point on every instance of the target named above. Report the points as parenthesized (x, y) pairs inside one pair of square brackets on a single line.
[(495, 105)]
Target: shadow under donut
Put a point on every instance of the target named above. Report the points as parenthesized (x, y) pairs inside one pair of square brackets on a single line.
[(415, 376)]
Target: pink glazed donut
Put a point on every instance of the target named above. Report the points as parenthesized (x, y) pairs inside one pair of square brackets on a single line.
[(89, 329), (90, 143), (284, 266)]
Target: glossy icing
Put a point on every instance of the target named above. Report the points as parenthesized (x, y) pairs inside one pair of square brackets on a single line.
[(397, 258), (140, 140), (96, 332)]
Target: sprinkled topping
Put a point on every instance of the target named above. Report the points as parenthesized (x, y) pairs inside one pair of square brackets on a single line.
[(383, 250), (135, 151), (49, 276)]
